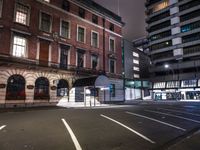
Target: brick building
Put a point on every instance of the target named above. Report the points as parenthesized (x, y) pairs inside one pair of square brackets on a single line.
[(58, 49)]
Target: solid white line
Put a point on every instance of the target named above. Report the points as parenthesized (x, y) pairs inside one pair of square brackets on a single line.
[(180, 112), (2, 127), (188, 119), (142, 136), (152, 119), (74, 139)]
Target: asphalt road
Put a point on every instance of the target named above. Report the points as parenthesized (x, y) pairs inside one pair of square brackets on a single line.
[(136, 127)]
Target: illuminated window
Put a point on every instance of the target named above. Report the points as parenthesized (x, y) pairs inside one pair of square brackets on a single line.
[(95, 39), (160, 6), (81, 34), (136, 76), (19, 46), (135, 54), (65, 29), (136, 61), (136, 68), (45, 22), (22, 14), (46, 1)]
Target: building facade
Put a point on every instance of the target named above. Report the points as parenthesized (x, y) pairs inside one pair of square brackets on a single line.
[(136, 74), (174, 48), (47, 46)]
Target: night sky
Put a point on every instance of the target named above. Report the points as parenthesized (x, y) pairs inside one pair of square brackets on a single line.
[(132, 13)]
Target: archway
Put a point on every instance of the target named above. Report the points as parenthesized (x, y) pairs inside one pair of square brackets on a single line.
[(41, 89), (62, 88), (15, 88)]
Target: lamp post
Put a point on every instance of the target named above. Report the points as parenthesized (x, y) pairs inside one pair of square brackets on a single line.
[(167, 66)]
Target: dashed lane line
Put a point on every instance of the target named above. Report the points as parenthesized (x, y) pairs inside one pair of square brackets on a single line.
[(130, 129), (167, 114), (1, 127), (74, 139), (161, 122), (194, 114)]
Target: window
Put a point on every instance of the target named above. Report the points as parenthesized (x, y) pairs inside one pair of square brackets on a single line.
[(135, 54), (15, 88), (80, 59), (112, 90), (136, 76), (112, 66), (41, 89), (19, 46), (81, 12), (62, 88), (160, 6), (1, 7), (66, 5), (81, 34), (45, 22), (189, 5), (64, 56), (112, 44), (191, 37), (46, 1), (136, 68), (161, 45), (160, 26), (111, 27), (135, 61), (94, 62), (22, 14), (160, 35), (65, 29), (95, 19), (159, 17), (95, 39), (190, 15), (191, 26)]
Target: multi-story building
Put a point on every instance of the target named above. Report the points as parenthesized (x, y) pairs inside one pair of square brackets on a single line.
[(58, 49), (136, 65), (174, 44)]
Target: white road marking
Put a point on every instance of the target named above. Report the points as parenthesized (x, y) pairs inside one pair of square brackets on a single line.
[(2, 127), (74, 139), (152, 119), (194, 114), (130, 129), (188, 119)]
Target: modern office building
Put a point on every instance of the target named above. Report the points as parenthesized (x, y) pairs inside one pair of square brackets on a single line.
[(136, 64), (53, 50), (174, 48)]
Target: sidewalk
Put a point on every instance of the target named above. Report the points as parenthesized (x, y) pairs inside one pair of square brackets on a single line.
[(189, 143)]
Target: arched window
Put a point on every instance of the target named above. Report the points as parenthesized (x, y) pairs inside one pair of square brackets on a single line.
[(41, 89), (15, 88), (62, 88)]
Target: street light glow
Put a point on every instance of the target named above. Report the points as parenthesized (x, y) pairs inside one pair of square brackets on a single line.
[(166, 66)]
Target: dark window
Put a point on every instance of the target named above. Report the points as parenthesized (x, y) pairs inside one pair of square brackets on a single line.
[(81, 34), (191, 49), (191, 15), (45, 22), (66, 5), (64, 57), (112, 90), (160, 35), (94, 39), (112, 27), (81, 12), (62, 88), (168, 54), (41, 89), (160, 26), (65, 29), (80, 60), (95, 19), (94, 62), (15, 88), (159, 17), (189, 5), (191, 37), (112, 66), (161, 45)]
